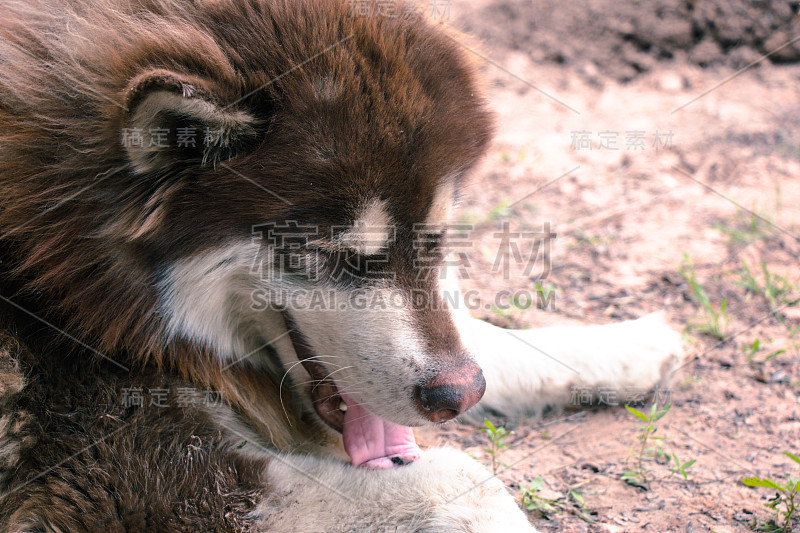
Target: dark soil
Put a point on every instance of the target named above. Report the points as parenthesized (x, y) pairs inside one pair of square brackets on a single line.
[(622, 39)]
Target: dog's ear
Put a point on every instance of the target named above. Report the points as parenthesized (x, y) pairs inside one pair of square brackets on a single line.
[(176, 119)]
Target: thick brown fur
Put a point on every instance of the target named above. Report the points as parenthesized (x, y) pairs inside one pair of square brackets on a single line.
[(331, 107), (74, 458)]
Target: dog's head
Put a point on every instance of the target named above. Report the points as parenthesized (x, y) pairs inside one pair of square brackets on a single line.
[(290, 169)]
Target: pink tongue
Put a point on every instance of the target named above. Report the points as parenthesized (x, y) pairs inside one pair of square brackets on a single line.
[(374, 443)]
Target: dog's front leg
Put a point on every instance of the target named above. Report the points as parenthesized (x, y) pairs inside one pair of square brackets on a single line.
[(445, 491), (529, 370)]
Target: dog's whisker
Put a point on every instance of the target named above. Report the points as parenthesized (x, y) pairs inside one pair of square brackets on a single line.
[(283, 378), (367, 415), (286, 373), (319, 382), (349, 391), (337, 370), (315, 357), (300, 361)]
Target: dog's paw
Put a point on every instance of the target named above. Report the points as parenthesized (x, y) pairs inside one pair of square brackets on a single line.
[(443, 491), (528, 371), (644, 354), (469, 499)]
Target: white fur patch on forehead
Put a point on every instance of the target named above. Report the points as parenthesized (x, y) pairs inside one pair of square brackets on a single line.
[(443, 204), (372, 230)]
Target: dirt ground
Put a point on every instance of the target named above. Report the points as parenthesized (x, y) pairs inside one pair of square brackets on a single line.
[(655, 162)]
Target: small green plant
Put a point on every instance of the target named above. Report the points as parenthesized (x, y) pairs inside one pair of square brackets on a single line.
[(774, 354), (507, 313), (522, 304), (681, 467), (501, 312), (744, 231), (534, 502), (648, 445), (786, 501), (468, 217), (690, 380), (546, 291), (574, 501), (750, 350), (717, 321), (748, 280), (506, 157), (496, 446), (748, 226), (501, 210), (777, 290), (516, 305), (716, 315), (519, 304), (545, 296), (582, 238)]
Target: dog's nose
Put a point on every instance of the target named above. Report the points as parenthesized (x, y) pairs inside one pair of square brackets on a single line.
[(451, 393)]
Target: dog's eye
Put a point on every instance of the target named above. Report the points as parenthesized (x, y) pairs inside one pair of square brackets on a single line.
[(430, 240), (430, 247), (348, 267)]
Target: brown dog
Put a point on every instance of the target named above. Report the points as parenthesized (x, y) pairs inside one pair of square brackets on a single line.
[(221, 236)]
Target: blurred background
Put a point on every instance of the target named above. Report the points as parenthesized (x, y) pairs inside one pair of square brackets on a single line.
[(647, 158)]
